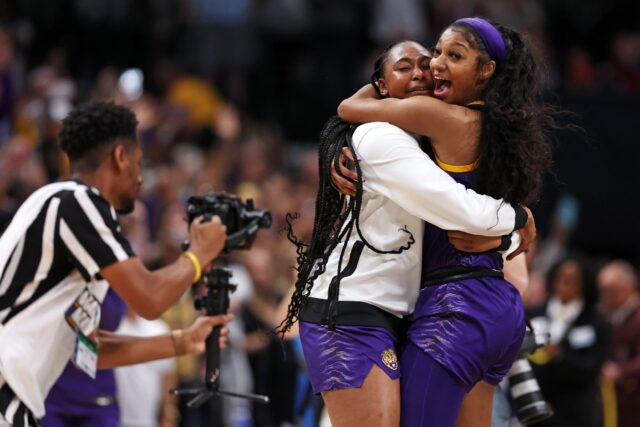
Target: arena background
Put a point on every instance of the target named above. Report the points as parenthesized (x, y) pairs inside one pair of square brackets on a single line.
[(297, 59), (266, 74)]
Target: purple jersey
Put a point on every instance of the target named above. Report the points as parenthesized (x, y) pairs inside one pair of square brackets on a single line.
[(439, 253), (471, 326)]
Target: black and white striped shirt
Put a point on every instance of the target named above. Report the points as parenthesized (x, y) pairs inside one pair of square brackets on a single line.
[(51, 253)]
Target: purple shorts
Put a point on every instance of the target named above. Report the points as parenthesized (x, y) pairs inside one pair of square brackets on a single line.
[(474, 327), (342, 358)]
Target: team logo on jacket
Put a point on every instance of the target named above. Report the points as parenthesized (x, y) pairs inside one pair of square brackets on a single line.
[(390, 359)]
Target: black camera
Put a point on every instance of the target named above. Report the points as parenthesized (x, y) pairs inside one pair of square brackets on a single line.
[(242, 222), (531, 408), (241, 219)]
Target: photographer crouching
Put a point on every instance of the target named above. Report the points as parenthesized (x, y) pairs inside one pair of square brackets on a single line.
[(63, 250)]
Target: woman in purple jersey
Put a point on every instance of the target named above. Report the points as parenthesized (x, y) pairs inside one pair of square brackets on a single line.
[(489, 133)]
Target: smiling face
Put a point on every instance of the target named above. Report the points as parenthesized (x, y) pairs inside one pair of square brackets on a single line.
[(406, 71), (460, 70)]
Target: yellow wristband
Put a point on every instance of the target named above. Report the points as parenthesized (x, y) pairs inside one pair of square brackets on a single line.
[(196, 265), (178, 342)]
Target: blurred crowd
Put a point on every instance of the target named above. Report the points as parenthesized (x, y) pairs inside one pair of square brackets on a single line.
[(229, 96), (307, 54)]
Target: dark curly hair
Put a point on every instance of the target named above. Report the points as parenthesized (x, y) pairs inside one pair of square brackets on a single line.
[(88, 131), (514, 148), (336, 217)]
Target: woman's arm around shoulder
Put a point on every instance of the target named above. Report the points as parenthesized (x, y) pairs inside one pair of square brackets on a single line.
[(421, 115)]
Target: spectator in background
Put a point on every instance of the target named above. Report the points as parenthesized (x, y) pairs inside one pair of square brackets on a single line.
[(7, 86), (622, 71), (580, 70), (555, 246), (222, 44), (21, 172), (143, 389), (620, 301), (258, 316), (39, 114), (568, 368), (547, 252), (396, 20)]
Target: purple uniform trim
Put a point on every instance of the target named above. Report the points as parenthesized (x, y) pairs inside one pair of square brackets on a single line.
[(342, 358)]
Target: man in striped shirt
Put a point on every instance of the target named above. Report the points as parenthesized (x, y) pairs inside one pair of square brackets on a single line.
[(63, 250)]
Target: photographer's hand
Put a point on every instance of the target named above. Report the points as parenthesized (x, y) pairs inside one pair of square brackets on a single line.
[(195, 335), (120, 350), (207, 238)]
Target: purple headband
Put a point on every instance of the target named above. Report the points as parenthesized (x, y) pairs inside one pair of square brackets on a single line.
[(490, 36)]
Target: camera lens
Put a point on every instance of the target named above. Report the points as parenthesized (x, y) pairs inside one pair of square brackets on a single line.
[(530, 405)]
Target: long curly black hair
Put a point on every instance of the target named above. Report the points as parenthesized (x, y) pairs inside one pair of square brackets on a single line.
[(336, 217), (515, 148)]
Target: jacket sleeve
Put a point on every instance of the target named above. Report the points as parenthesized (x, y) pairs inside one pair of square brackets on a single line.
[(394, 165)]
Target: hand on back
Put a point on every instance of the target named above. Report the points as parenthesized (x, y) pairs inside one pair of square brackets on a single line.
[(196, 334), (344, 179), (471, 243)]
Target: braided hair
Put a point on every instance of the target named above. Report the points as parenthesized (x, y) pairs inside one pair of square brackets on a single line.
[(514, 145), (336, 216)]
